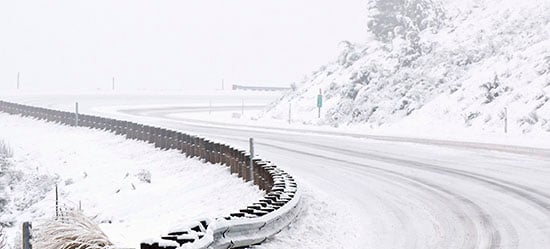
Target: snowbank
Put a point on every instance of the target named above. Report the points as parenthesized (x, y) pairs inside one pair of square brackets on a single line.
[(106, 174)]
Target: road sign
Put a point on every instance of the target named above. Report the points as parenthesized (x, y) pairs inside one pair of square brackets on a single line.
[(319, 102)]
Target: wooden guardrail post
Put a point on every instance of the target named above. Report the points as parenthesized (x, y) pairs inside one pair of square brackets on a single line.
[(26, 235), (76, 114), (251, 160)]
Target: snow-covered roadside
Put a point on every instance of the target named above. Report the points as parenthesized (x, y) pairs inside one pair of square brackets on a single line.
[(103, 172), (252, 120), (437, 131), (322, 223)]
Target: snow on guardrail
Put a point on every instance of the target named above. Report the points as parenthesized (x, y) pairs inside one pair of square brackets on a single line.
[(248, 226)]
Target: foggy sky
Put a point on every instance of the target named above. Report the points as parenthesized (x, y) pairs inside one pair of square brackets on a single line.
[(75, 45)]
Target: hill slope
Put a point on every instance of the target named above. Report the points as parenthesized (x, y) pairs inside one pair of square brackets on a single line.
[(456, 64)]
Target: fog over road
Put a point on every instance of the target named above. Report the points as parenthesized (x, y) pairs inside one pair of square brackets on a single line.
[(402, 192)]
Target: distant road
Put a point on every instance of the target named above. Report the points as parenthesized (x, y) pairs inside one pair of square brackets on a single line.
[(167, 113), (163, 111)]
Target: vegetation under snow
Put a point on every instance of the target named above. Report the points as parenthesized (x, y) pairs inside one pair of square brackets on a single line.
[(437, 62)]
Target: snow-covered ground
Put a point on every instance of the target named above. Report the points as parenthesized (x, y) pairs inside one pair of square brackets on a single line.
[(102, 172), (365, 193), (401, 194), (410, 151)]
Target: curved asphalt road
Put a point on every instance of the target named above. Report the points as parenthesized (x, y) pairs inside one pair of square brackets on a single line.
[(405, 193)]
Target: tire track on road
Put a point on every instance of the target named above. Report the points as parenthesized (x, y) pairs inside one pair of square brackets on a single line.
[(518, 190), (485, 219)]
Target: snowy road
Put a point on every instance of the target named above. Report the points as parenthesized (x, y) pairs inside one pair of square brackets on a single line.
[(410, 195), (401, 192)]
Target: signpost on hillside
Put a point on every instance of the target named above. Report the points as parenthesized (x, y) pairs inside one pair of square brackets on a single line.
[(289, 113), (320, 102)]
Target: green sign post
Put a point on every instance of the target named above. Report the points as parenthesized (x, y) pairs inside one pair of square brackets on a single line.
[(319, 102)]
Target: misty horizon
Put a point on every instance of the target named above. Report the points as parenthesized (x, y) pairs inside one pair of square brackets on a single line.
[(77, 45)]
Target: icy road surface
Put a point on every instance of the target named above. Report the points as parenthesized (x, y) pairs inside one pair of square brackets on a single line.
[(403, 193)]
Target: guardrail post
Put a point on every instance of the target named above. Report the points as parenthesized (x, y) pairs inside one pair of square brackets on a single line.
[(26, 235), (252, 160), (76, 114)]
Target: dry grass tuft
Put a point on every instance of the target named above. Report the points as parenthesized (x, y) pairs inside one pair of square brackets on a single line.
[(3, 243), (71, 231)]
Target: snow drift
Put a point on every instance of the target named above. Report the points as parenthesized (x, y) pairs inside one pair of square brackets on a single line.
[(118, 181)]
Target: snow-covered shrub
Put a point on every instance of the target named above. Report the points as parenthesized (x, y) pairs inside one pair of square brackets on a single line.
[(144, 176), (391, 19), (5, 150), (468, 118), (3, 243), (5, 177), (493, 89), (19, 189), (528, 121), (349, 54), (38, 187), (543, 67), (490, 90), (72, 231), (5, 153), (69, 181)]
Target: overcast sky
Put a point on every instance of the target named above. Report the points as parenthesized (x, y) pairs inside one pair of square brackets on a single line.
[(72, 44)]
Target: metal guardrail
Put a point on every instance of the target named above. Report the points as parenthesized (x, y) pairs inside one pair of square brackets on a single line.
[(260, 88), (245, 227)]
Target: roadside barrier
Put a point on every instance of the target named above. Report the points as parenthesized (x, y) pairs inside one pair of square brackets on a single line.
[(248, 226)]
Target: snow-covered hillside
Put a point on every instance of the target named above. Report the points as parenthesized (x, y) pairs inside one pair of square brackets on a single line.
[(452, 64)]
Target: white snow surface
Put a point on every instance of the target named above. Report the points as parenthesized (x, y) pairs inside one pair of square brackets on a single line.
[(325, 222), (102, 170), (369, 193), (487, 56)]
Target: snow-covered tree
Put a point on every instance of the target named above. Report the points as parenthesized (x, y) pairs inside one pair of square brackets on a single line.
[(348, 55), (389, 19)]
